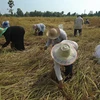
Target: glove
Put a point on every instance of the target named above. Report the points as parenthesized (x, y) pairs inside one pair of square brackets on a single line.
[(61, 84)]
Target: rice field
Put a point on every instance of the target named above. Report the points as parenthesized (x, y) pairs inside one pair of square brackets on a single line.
[(26, 75)]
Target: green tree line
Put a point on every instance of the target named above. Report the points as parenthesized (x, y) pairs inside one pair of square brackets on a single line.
[(35, 13)]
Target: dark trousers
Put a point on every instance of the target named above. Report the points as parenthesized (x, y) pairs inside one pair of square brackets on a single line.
[(18, 46), (79, 30), (40, 33), (68, 72)]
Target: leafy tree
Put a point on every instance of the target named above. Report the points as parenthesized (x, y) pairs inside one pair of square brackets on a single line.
[(32, 14), (74, 14), (98, 13), (68, 14), (19, 12), (90, 13), (47, 14), (11, 4), (26, 14), (0, 14), (62, 12)]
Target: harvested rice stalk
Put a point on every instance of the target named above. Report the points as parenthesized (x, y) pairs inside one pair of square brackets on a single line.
[(62, 90)]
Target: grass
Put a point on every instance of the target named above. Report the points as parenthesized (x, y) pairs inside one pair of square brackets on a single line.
[(25, 75)]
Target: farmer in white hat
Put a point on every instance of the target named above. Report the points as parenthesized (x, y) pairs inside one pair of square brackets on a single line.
[(5, 24), (39, 29), (68, 69), (64, 54), (55, 35), (96, 54)]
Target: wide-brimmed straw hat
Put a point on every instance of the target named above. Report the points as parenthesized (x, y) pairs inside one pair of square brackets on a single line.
[(2, 30), (97, 47), (70, 42), (53, 33), (64, 54)]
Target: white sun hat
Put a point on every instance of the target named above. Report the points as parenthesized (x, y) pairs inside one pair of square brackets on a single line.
[(70, 42), (97, 47), (64, 54), (53, 33)]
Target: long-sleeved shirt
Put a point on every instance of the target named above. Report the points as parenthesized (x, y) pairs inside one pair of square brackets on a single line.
[(63, 36), (97, 52), (57, 71), (57, 68), (78, 23), (41, 27)]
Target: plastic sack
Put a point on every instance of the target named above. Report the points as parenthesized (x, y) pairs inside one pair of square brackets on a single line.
[(60, 26)]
